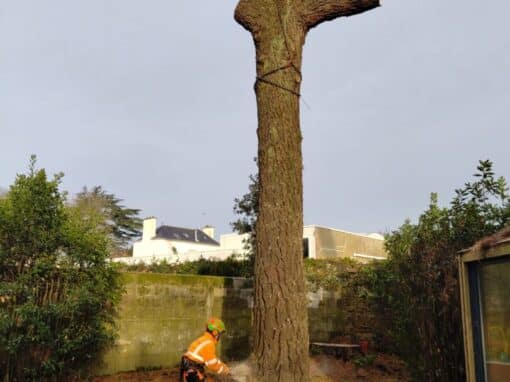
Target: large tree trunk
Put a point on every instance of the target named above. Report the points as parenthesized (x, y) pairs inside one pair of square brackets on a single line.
[(281, 331), (279, 28)]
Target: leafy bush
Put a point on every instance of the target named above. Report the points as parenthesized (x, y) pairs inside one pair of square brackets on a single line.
[(329, 274), (364, 360), (230, 267), (417, 289), (58, 292)]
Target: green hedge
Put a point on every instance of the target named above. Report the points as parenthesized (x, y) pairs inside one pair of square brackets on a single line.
[(330, 275)]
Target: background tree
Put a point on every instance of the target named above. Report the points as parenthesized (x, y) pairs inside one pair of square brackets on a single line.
[(279, 28), (247, 207), (121, 223), (418, 287), (58, 291)]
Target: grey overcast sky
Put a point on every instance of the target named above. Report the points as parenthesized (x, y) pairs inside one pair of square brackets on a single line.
[(154, 100)]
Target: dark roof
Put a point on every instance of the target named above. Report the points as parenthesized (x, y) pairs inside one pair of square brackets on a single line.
[(184, 234)]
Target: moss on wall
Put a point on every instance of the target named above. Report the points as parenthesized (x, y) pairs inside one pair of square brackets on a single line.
[(161, 314), (171, 279)]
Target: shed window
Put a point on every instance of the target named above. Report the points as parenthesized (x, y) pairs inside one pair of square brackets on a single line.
[(494, 278)]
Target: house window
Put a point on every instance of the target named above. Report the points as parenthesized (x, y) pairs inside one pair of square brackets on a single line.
[(306, 253)]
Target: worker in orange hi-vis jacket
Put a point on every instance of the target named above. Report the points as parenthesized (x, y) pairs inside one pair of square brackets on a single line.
[(201, 354)]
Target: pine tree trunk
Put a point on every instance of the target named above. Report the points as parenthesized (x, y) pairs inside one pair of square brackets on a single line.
[(279, 28), (281, 331)]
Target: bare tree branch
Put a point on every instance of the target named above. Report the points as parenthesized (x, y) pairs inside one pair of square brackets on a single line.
[(318, 11)]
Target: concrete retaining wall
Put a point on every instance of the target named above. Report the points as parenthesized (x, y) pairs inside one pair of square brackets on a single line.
[(161, 314)]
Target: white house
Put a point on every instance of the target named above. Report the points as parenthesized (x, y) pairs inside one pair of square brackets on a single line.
[(177, 244)]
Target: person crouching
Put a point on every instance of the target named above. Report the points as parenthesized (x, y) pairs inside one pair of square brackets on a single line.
[(201, 355)]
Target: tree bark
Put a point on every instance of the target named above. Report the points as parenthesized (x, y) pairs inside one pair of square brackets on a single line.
[(279, 28)]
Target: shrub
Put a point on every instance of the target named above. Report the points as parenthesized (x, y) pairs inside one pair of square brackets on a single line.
[(418, 288), (230, 267), (329, 274), (364, 360), (58, 292)]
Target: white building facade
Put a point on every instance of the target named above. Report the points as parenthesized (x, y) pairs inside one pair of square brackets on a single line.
[(176, 244)]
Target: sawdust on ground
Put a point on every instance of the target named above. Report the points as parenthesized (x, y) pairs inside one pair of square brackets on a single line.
[(323, 368)]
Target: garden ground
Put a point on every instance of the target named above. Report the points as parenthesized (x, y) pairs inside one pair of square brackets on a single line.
[(323, 368)]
